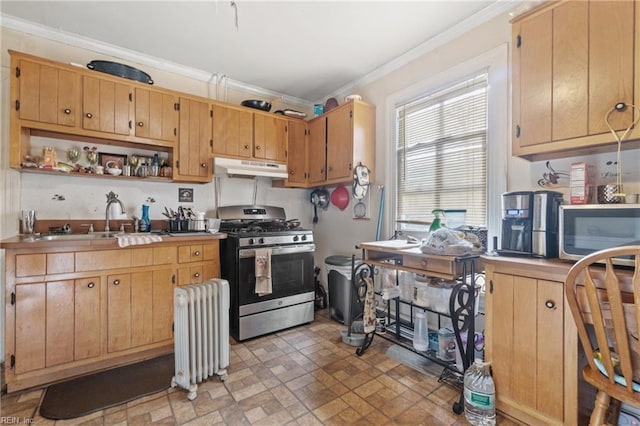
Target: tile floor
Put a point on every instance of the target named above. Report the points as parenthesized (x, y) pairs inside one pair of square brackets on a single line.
[(301, 376)]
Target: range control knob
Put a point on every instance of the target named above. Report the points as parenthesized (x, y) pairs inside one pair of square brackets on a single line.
[(250, 241), (261, 240), (295, 238), (304, 238)]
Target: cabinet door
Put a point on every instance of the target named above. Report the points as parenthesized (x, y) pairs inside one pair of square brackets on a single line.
[(525, 343), (194, 145), (163, 281), (156, 115), (569, 70), (105, 106), (118, 312), (339, 143), (47, 94), (317, 150), (232, 132), (87, 327), (269, 138), (60, 322), (142, 308), (30, 337), (297, 153)]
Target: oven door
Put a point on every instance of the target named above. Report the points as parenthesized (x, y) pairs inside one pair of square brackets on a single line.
[(291, 273)]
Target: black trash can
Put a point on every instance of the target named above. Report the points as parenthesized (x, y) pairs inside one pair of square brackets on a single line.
[(340, 289)]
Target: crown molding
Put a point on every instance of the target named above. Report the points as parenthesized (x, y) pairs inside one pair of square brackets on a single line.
[(495, 9), (75, 40)]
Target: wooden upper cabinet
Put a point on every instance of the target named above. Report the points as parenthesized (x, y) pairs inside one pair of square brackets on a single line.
[(270, 137), (156, 115), (573, 62), (194, 153), (297, 153), (344, 137), (46, 94), (317, 151), (105, 106), (232, 132)]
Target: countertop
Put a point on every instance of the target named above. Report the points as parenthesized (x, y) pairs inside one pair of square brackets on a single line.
[(25, 242)]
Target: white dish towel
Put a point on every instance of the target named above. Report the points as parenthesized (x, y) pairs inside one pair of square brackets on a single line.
[(263, 271)]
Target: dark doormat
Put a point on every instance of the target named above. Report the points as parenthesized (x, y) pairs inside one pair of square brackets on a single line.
[(84, 395)]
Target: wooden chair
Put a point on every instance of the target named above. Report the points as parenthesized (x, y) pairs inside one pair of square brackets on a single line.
[(599, 295)]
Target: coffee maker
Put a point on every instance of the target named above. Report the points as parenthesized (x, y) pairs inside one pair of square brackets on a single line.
[(544, 235), (517, 224)]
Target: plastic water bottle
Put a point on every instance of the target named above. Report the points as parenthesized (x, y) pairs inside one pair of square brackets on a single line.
[(421, 332), (479, 394)]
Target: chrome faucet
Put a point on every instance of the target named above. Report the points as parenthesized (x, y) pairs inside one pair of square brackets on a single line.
[(111, 198)]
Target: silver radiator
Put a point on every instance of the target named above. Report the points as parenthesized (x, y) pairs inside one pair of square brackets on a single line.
[(201, 321)]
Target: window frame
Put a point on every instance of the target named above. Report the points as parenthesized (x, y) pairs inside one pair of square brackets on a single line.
[(495, 61)]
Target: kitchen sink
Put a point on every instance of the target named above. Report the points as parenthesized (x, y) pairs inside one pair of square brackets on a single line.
[(76, 237)]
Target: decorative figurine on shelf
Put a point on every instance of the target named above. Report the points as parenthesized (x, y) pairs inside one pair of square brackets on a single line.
[(92, 157), (73, 155)]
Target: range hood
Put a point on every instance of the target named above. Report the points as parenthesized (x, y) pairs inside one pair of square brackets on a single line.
[(232, 166)]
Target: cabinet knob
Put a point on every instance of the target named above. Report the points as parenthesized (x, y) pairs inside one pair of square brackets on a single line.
[(258, 148), (140, 124), (196, 253), (196, 275), (246, 147), (116, 282), (91, 284), (67, 111), (89, 115), (329, 169), (203, 165), (291, 172), (550, 304)]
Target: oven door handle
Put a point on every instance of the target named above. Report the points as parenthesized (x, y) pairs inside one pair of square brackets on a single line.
[(277, 251)]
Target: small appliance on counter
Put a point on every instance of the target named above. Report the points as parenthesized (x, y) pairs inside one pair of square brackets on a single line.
[(530, 223), (517, 223)]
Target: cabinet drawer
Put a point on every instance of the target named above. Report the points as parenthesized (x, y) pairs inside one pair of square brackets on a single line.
[(164, 255), (432, 264), (190, 253), (28, 265), (103, 259)]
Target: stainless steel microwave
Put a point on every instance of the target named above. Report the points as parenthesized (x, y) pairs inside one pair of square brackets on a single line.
[(588, 228)]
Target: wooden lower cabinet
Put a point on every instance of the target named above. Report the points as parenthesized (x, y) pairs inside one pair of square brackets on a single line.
[(62, 325), (531, 343)]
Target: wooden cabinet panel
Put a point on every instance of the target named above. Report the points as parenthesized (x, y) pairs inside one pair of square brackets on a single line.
[(118, 312), (190, 253), (164, 255), (297, 153), (194, 159), (162, 304), (105, 106), (102, 259), (88, 314), (232, 132), (30, 334), (60, 263), (525, 343), (572, 63), (269, 138), (28, 265), (141, 308), (141, 257), (59, 323), (47, 94), (339, 144), (317, 150), (156, 115)]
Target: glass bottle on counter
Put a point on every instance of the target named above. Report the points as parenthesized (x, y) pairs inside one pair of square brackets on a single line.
[(145, 222), (155, 166)]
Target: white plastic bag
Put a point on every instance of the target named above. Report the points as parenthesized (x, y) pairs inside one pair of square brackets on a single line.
[(445, 241)]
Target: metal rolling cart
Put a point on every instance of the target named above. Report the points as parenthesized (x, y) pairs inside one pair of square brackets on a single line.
[(462, 303)]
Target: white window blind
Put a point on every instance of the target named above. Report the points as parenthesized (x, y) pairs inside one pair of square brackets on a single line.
[(442, 152)]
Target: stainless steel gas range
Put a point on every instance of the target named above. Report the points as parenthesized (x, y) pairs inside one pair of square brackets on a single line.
[(291, 300)]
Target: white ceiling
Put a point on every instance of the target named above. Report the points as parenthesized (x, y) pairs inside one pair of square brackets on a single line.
[(306, 49)]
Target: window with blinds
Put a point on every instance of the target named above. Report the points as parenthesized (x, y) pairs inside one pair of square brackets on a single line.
[(441, 145)]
